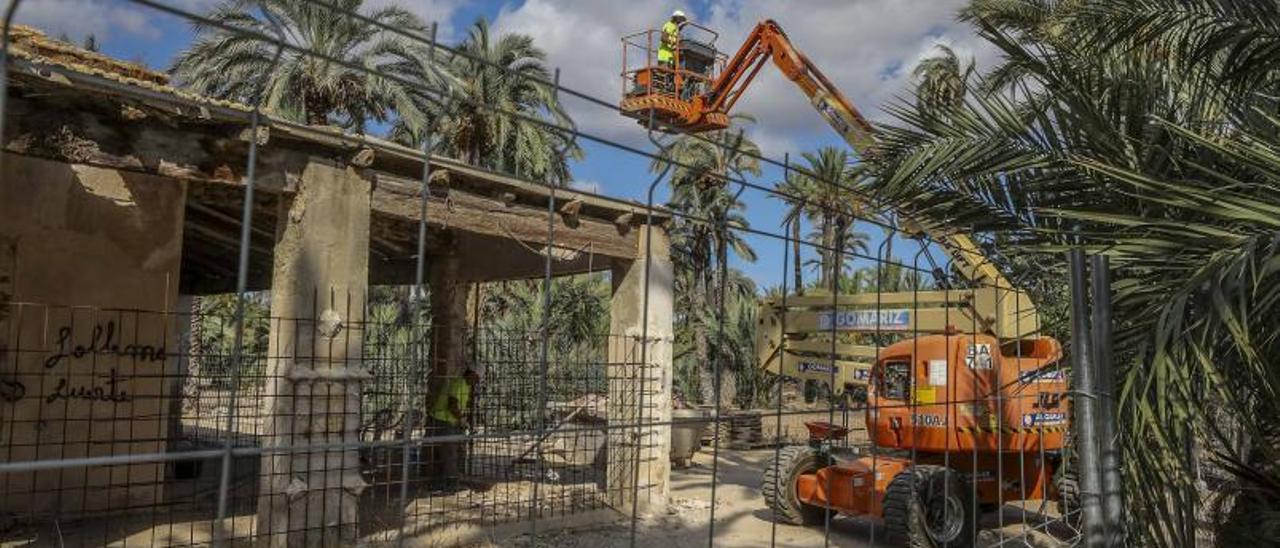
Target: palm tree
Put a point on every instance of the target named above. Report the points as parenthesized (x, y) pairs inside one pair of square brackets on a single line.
[(792, 190), (488, 123), (304, 87), (512, 317), (848, 245), (831, 206), (708, 229), (1145, 130), (940, 81)]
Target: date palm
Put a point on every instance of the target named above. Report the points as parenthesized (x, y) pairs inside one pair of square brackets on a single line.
[(514, 314), (490, 122), (940, 80), (825, 183), (1146, 130), (707, 230), (304, 87)]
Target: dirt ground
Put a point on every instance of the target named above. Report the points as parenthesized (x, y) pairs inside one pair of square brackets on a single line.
[(743, 520)]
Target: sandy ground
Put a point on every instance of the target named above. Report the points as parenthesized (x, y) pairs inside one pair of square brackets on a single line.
[(743, 520)]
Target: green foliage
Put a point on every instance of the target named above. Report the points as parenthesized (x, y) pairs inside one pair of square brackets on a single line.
[(395, 350), (303, 87), (1145, 130), (940, 81), (217, 333), (488, 122), (577, 324), (707, 228), (832, 209)]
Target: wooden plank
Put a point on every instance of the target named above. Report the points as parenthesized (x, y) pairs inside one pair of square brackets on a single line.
[(491, 217)]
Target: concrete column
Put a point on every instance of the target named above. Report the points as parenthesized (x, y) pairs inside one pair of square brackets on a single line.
[(181, 372), (320, 278), (640, 373)]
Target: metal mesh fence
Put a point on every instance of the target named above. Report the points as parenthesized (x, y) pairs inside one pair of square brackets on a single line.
[(922, 402)]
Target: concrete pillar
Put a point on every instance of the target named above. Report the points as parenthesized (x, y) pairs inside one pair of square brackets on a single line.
[(640, 373), (320, 277), (183, 320)]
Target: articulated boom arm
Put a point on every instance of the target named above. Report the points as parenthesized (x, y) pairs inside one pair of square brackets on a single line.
[(767, 41)]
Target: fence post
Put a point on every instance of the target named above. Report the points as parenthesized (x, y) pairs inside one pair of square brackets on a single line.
[(1112, 501), (1085, 406)]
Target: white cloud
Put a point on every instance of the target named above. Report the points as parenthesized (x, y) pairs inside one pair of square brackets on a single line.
[(102, 18), (115, 19), (867, 47), (439, 11), (583, 39)]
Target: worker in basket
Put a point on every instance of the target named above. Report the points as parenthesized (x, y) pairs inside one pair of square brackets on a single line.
[(448, 416), (668, 41)]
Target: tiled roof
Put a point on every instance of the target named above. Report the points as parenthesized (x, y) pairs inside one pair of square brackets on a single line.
[(32, 45)]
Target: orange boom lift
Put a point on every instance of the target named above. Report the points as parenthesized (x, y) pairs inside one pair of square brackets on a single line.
[(961, 421)]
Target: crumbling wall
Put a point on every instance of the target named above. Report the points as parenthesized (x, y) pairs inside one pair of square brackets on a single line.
[(91, 258)]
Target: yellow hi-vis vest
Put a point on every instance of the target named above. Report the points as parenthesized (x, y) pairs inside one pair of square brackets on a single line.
[(667, 42), (456, 388)]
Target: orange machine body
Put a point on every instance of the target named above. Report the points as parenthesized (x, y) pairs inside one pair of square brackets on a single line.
[(995, 413), (852, 488), (948, 393)]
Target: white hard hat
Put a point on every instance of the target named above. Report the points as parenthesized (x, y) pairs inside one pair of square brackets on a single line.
[(678, 13)]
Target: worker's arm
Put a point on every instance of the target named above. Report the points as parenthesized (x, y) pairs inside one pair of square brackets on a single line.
[(455, 408)]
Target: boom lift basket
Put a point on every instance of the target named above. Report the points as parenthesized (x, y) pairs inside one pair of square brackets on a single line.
[(671, 95)]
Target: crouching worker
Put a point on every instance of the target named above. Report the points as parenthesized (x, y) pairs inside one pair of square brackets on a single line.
[(448, 416)]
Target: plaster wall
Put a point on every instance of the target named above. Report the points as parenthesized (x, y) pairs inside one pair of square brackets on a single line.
[(89, 262)]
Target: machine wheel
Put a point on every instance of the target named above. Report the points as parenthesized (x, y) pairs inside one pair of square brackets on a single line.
[(780, 480), (927, 506), (1068, 503)]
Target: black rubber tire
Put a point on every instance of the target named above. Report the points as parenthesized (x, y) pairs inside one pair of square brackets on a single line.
[(1068, 501), (779, 486), (909, 495)]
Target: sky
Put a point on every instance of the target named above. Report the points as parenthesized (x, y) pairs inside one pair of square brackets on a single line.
[(867, 47)]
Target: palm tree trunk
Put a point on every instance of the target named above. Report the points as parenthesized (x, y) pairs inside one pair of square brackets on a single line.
[(702, 350), (828, 254), (839, 241), (728, 389), (728, 384)]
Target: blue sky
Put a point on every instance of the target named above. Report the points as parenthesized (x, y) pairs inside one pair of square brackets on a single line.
[(868, 47)]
